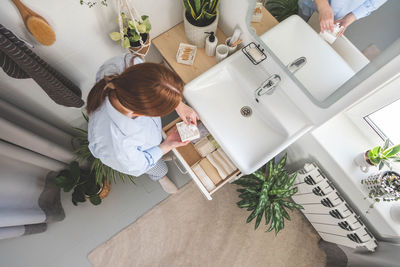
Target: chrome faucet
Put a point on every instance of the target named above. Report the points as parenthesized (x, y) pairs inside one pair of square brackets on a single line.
[(268, 86)]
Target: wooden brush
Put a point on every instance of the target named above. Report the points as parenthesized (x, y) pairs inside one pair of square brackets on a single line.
[(36, 24)]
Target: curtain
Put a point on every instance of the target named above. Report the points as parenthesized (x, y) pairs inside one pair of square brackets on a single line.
[(31, 154), (18, 61)]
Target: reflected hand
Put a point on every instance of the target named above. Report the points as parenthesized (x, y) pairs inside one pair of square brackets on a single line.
[(345, 22), (186, 113), (325, 15)]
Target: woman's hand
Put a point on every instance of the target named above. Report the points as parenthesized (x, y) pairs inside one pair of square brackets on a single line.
[(345, 22), (186, 113), (173, 140), (325, 15)]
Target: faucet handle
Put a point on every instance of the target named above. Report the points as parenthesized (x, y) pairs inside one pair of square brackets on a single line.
[(297, 64)]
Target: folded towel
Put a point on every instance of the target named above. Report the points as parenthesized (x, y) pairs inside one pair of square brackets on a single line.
[(215, 160), (210, 171), (231, 166), (205, 180), (204, 147)]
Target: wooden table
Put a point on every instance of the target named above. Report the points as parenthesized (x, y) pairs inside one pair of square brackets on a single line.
[(266, 23), (168, 43)]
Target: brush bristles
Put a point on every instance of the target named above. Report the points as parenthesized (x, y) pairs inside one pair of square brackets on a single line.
[(41, 30)]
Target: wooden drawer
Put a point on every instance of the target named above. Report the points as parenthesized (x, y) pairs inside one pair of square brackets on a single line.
[(188, 156)]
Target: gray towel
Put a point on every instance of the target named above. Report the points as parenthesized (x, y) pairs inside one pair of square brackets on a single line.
[(18, 61)]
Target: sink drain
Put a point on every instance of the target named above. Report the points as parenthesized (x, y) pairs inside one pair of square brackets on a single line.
[(246, 111)]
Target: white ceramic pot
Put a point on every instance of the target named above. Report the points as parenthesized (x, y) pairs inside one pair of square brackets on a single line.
[(195, 34), (361, 161)]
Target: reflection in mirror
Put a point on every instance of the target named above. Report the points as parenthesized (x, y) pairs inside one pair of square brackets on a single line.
[(328, 42)]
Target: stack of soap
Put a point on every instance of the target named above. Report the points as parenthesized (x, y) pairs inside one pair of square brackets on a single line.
[(187, 132)]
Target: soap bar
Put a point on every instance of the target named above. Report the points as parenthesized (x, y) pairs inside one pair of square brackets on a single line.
[(329, 36), (187, 132)]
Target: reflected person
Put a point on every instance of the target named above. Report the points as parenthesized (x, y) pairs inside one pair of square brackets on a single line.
[(344, 12)]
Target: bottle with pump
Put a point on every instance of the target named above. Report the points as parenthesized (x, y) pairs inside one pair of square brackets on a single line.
[(211, 44)]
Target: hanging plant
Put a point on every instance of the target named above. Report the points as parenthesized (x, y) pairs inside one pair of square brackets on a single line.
[(93, 3), (133, 30)]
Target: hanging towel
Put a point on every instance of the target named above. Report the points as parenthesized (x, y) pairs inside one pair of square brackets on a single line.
[(18, 61)]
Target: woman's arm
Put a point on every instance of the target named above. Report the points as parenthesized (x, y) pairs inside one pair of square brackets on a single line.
[(186, 113), (326, 15), (173, 140)]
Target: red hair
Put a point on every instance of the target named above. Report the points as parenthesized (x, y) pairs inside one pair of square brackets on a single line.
[(148, 89)]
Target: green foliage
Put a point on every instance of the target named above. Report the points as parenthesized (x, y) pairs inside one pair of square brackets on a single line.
[(201, 12), (82, 182), (267, 192), (282, 9), (384, 155), (101, 171), (132, 31)]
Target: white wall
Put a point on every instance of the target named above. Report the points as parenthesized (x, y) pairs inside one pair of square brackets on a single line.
[(82, 46)]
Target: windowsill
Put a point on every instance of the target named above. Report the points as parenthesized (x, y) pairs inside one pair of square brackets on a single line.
[(334, 146)]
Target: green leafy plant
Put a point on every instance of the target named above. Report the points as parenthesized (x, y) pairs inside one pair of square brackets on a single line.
[(384, 155), (201, 12), (82, 182), (133, 30), (383, 186), (282, 9), (93, 3), (267, 192), (100, 170)]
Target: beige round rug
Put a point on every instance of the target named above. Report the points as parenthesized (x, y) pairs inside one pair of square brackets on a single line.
[(188, 230)]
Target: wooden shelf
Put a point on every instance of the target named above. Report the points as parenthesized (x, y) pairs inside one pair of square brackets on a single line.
[(266, 23), (168, 43)]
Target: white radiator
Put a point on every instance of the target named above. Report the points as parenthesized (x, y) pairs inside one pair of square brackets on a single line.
[(328, 212)]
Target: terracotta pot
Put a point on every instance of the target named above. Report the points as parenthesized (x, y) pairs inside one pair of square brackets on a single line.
[(104, 190), (139, 49)]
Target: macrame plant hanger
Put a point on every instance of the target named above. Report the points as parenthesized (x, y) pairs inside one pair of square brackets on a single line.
[(123, 6)]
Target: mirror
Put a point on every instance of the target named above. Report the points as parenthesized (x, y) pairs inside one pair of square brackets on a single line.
[(327, 66)]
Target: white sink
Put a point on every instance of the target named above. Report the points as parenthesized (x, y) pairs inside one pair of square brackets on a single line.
[(325, 70), (218, 96)]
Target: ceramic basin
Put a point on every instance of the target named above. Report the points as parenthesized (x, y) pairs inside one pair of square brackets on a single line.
[(218, 96), (325, 70)]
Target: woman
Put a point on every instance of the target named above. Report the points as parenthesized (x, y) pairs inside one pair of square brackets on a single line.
[(124, 109), (344, 12)]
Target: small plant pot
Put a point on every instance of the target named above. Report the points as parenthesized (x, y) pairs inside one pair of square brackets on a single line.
[(363, 162), (196, 34), (136, 47), (384, 186), (104, 190)]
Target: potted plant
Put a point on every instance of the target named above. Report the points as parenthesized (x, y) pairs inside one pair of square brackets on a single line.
[(267, 192), (200, 16), (83, 183), (379, 156), (101, 171), (133, 32), (383, 186)]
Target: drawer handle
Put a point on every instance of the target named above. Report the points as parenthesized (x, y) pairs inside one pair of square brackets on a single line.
[(181, 169)]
